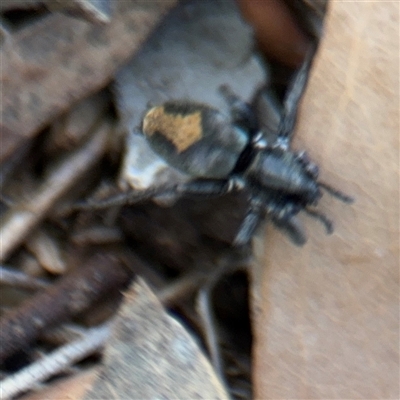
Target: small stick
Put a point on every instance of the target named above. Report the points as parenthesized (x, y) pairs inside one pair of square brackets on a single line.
[(56, 362), (71, 295), (204, 308), (19, 220), (12, 277)]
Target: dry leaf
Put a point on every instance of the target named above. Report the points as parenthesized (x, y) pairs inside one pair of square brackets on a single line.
[(327, 315), (150, 355)]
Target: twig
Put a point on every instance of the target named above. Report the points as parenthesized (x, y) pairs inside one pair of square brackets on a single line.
[(71, 295), (205, 309), (206, 314), (65, 333), (55, 362), (47, 251), (26, 214), (96, 235), (12, 277), (183, 287)]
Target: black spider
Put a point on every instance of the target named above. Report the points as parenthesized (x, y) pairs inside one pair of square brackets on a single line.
[(221, 155)]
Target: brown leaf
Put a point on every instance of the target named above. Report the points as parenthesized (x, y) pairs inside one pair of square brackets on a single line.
[(327, 315)]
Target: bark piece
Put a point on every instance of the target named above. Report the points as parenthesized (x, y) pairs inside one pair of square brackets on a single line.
[(327, 315)]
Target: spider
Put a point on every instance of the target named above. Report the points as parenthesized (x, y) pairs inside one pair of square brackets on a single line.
[(222, 154)]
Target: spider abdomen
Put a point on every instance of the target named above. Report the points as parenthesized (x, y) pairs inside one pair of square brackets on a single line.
[(194, 138)]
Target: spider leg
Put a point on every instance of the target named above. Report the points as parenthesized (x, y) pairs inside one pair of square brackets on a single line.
[(242, 113), (198, 187), (322, 218), (250, 223), (122, 199), (292, 227), (292, 99), (283, 215), (310, 167), (210, 187), (336, 193)]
